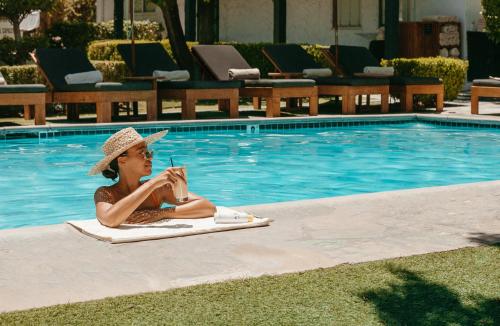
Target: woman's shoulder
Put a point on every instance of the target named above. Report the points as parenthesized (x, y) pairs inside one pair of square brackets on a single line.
[(104, 194)]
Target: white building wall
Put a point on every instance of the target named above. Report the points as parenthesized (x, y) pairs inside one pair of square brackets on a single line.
[(311, 22), (246, 20)]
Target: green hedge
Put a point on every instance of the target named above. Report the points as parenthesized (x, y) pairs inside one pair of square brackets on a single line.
[(451, 71), (106, 50), (29, 74), (143, 30)]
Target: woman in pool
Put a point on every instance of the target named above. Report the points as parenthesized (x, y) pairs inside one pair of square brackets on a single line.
[(131, 200)]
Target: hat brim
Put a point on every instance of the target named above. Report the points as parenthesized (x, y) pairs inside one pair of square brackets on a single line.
[(104, 163)]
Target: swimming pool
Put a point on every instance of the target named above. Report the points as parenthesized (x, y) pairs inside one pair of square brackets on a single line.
[(44, 181)]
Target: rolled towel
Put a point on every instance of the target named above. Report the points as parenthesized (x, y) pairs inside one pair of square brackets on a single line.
[(242, 74), (225, 215), (316, 73), (444, 52), (88, 77), (455, 52), (174, 75), (383, 71), (2, 80)]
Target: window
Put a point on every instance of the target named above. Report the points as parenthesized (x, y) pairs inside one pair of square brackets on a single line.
[(406, 10), (349, 13), (141, 6)]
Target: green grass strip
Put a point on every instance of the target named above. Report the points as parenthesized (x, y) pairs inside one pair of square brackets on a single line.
[(460, 287)]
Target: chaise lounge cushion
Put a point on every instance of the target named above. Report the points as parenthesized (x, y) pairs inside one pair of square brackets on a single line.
[(148, 58), (291, 58), (218, 59), (486, 82), (278, 83), (351, 81), (28, 88), (57, 63), (198, 84), (107, 86)]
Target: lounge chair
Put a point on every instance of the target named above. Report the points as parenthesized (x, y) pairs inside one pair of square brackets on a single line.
[(483, 88), (353, 60), (56, 64), (290, 60), (152, 56), (31, 96), (216, 60)]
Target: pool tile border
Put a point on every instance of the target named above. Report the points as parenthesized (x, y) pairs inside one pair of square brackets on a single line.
[(221, 126)]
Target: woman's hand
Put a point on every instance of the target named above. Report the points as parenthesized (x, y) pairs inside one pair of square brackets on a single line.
[(167, 177)]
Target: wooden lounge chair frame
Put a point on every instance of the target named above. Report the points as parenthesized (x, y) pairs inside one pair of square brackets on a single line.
[(273, 95), (102, 99), (30, 101), (405, 92), (481, 91), (348, 93), (228, 97)]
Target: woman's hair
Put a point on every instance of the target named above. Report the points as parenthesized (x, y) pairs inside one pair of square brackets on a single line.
[(112, 171)]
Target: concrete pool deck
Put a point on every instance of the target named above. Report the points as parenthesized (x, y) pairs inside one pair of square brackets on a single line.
[(50, 265)]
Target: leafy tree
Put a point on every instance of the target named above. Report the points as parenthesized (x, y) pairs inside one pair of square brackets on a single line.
[(491, 14), (180, 50), (16, 10)]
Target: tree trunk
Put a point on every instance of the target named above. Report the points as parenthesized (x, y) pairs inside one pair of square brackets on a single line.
[(118, 19), (180, 50), (17, 31), (206, 21)]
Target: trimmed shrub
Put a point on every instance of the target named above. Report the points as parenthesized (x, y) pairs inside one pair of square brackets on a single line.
[(143, 30), (451, 71), (25, 74)]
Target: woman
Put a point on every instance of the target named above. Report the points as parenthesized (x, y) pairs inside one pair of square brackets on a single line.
[(131, 200)]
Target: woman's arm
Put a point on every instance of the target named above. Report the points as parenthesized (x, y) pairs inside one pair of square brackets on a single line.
[(195, 207), (113, 214)]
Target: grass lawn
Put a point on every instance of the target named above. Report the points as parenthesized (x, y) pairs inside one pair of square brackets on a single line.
[(460, 287)]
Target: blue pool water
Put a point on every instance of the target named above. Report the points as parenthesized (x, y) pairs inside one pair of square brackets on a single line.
[(45, 182)]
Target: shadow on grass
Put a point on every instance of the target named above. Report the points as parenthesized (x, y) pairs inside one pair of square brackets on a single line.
[(485, 238), (417, 301)]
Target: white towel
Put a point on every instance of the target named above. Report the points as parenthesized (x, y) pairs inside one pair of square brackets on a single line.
[(174, 75), (169, 228), (88, 77), (242, 74), (317, 73), (2, 80), (382, 71)]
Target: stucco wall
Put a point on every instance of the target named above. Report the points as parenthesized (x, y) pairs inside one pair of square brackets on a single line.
[(246, 20), (311, 22)]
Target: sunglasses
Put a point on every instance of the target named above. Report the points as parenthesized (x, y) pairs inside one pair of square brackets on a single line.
[(147, 154)]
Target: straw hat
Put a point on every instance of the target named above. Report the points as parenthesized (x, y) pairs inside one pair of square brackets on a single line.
[(120, 142)]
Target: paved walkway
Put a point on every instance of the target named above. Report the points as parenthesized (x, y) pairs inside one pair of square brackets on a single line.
[(56, 264)]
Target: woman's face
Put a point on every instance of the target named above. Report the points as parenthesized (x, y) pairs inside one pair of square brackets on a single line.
[(138, 160)]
